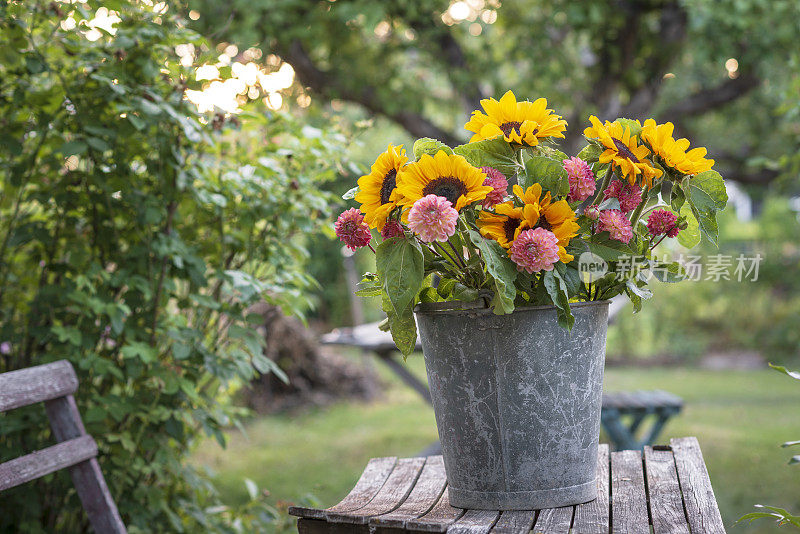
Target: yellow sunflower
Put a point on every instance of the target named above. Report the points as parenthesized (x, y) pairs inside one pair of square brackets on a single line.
[(377, 193), (540, 211), (674, 154), (537, 211), (503, 225), (623, 150), (524, 123), (445, 175)]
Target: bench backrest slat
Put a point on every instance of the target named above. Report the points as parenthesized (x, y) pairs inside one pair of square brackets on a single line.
[(36, 384), (54, 384), (43, 462)]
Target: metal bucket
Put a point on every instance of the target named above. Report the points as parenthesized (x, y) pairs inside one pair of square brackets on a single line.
[(517, 401)]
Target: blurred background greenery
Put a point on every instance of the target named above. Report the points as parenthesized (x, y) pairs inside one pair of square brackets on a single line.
[(347, 77)]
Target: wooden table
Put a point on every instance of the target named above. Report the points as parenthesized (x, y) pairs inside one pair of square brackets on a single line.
[(665, 488)]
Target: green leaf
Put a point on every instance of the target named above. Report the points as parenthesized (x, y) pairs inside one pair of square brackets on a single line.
[(501, 268), (446, 286), (571, 277), (351, 194), (784, 370), (547, 172), (400, 269), (641, 292), (706, 195), (689, 236), (495, 153), (140, 350), (603, 246), (590, 153), (429, 146), (400, 266), (73, 148), (557, 290)]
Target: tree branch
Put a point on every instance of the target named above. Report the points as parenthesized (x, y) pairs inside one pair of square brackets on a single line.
[(713, 98), (325, 84)]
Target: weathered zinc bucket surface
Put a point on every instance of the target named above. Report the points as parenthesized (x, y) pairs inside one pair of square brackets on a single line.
[(517, 401)]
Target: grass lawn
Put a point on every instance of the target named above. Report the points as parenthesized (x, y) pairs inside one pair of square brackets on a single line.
[(740, 418)]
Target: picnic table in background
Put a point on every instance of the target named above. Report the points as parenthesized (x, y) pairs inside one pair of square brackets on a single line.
[(664, 488)]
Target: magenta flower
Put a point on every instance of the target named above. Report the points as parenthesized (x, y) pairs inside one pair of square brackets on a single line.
[(352, 230), (499, 184), (535, 250), (581, 178), (663, 222), (433, 218), (391, 229), (617, 225), (629, 196)]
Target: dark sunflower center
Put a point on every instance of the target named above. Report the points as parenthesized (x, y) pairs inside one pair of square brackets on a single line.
[(544, 224), (508, 126), (388, 185), (624, 151), (510, 227), (448, 187)]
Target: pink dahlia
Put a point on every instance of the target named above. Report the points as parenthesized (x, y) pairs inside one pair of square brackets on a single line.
[(535, 250), (617, 224), (581, 178), (497, 181), (433, 218), (629, 196), (391, 229), (662, 222), (352, 230)]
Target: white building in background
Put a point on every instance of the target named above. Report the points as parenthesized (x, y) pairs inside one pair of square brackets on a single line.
[(740, 201)]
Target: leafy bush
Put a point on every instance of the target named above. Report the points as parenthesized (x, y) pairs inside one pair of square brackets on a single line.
[(134, 236)]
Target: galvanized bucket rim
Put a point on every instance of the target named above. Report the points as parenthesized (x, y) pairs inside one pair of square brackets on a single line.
[(456, 307)]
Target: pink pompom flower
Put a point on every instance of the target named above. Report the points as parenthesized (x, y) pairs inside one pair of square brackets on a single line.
[(433, 218), (617, 225), (391, 229), (629, 196), (581, 178), (352, 230), (535, 250), (663, 222), (499, 184)]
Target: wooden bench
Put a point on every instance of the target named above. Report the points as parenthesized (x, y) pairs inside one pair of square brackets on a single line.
[(663, 488), (636, 407), (54, 384)]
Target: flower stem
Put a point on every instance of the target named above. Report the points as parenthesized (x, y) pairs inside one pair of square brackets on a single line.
[(638, 211), (444, 251), (603, 185)]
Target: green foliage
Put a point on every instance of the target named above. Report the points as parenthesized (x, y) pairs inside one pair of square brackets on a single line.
[(401, 271), (135, 236), (779, 515)]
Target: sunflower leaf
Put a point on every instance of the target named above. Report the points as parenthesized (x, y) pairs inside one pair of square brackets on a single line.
[(429, 146), (632, 125), (706, 195), (400, 266), (549, 173), (590, 153), (501, 268), (557, 289), (495, 153), (689, 236)]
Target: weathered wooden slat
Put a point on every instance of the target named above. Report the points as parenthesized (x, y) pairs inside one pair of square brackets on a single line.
[(36, 384), (514, 522), (554, 520), (40, 463), (474, 522), (397, 487), (320, 526), (370, 482), (628, 499), (65, 422), (592, 517), (666, 504), (429, 487), (698, 496), (441, 516)]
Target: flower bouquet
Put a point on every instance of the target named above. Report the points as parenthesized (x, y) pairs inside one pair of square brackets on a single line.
[(507, 251), (453, 230)]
